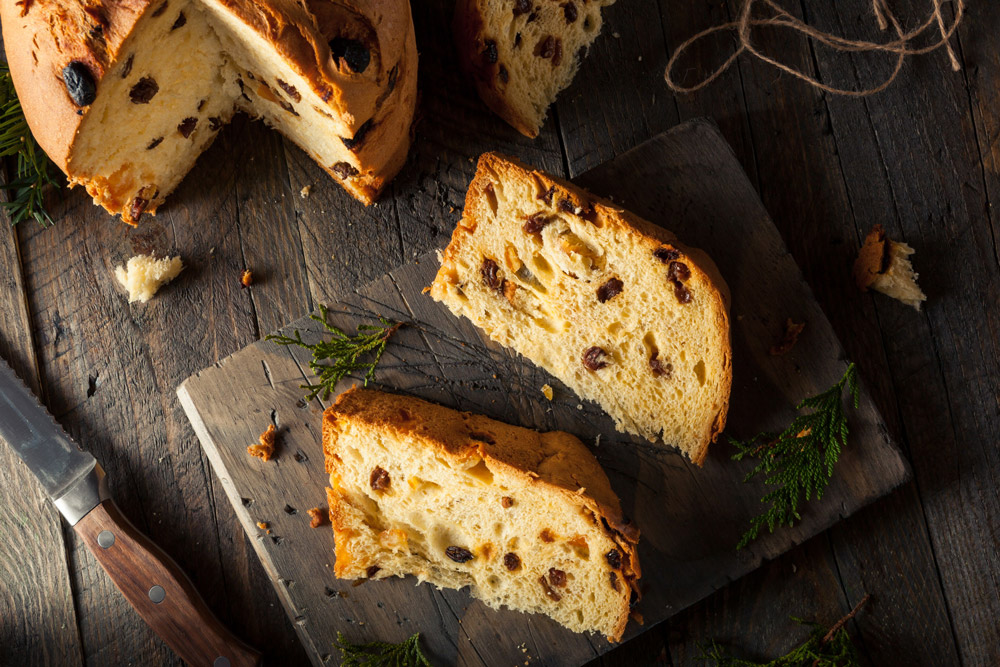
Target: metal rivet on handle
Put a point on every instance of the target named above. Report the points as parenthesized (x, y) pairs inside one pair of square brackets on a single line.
[(156, 594), (221, 661), (105, 539)]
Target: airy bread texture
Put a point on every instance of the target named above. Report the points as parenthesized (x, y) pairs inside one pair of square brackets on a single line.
[(124, 96), (884, 265), (526, 520), (143, 275), (523, 53), (610, 304)]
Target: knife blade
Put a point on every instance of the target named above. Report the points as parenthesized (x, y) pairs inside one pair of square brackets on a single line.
[(69, 475), (150, 580)]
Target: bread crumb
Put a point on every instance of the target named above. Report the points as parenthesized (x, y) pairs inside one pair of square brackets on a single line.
[(789, 338), (246, 279), (319, 516), (547, 391), (884, 265), (304, 192), (143, 275), (262, 525), (264, 450)]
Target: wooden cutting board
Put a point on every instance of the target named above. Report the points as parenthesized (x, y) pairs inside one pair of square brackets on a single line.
[(689, 181)]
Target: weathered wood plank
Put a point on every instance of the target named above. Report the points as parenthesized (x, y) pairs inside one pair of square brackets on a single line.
[(690, 518), (943, 363), (111, 369), (39, 625)]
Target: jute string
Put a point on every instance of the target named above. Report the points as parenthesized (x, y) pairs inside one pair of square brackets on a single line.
[(772, 15)]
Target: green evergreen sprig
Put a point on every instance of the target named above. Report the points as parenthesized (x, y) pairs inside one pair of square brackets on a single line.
[(824, 648), (347, 352), (382, 654), (799, 461), (26, 190)]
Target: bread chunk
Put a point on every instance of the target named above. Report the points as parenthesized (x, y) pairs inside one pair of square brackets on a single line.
[(124, 96), (610, 304), (144, 275), (884, 265), (526, 520), (523, 53)]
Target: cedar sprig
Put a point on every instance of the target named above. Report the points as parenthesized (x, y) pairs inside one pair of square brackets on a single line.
[(26, 190), (382, 654), (823, 648), (799, 461), (347, 352)]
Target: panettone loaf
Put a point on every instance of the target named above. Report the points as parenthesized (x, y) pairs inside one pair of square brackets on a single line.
[(522, 53), (612, 305), (526, 520), (124, 96)]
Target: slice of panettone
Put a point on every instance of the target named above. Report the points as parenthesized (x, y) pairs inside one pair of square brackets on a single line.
[(522, 53), (526, 520), (614, 306)]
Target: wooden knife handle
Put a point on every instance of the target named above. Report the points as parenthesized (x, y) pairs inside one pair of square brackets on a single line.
[(160, 591)]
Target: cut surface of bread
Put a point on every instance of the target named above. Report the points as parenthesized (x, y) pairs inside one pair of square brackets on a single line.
[(124, 96), (884, 265), (526, 520), (610, 304), (522, 53)]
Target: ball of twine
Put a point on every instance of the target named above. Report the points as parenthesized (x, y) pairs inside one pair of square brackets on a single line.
[(775, 16)]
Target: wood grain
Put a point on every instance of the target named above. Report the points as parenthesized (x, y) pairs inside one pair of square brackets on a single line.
[(33, 570), (691, 519)]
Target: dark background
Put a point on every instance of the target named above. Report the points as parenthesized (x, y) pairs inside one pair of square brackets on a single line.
[(919, 158)]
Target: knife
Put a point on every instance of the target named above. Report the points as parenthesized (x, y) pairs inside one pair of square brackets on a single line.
[(150, 580)]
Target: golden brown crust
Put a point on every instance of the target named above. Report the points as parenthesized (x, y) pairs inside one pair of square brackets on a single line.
[(615, 217), (41, 38), (556, 460), (873, 258)]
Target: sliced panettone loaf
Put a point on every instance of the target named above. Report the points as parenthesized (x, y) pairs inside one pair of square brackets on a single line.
[(124, 96), (522, 53), (526, 520), (610, 304)]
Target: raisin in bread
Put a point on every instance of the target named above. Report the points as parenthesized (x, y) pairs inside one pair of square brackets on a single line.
[(522, 53), (124, 96), (526, 520), (610, 304)]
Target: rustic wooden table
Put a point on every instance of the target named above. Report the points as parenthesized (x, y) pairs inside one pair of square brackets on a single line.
[(919, 158)]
